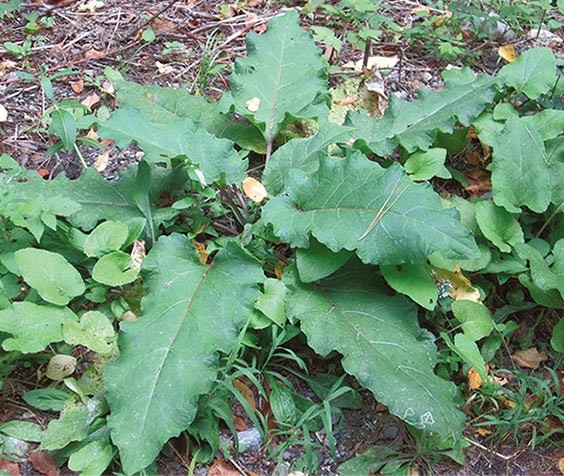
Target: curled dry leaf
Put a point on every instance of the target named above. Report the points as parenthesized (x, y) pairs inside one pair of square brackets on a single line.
[(483, 431), (102, 161), (137, 254), (221, 468), (507, 52), (474, 379), (254, 190), (561, 465), (253, 104), (90, 6), (44, 463), (93, 54), (77, 86), (91, 100), (529, 358), (60, 366), (202, 252)]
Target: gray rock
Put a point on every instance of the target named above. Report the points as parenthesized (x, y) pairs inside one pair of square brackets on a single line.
[(251, 439), (200, 471), (391, 432), (544, 36)]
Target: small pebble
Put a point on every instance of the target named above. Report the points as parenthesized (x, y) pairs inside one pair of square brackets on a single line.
[(250, 439), (390, 432)]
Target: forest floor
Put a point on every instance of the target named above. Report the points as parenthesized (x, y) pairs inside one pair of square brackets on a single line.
[(191, 44)]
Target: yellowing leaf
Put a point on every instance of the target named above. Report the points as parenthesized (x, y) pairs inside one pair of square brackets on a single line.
[(460, 287), (254, 190), (483, 431), (474, 379), (529, 358), (507, 52), (202, 252), (137, 254), (253, 104)]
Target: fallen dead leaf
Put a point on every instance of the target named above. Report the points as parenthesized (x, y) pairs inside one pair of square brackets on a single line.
[(529, 358), (254, 190), (90, 6), (3, 114), (247, 393), (137, 254), (93, 54), (460, 287), (92, 134), (373, 63), (474, 379), (102, 161), (202, 252), (239, 423), (164, 68), (345, 101), (108, 87), (6, 65), (9, 467), (77, 86), (221, 468), (507, 52), (561, 465), (483, 431), (91, 100), (44, 463), (251, 20), (128, 316), (43, 172)]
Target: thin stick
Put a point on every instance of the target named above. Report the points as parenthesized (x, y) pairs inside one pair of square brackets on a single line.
[(151, 19)]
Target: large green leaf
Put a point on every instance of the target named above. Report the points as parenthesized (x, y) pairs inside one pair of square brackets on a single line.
[(381, 343), (415, 124), (498, 225), (212, 156), (167, 106), (383, 216), (169, 356), (282, 77), (301, 154), (54, 278), (534, 72), (520, 168), (33, 327)]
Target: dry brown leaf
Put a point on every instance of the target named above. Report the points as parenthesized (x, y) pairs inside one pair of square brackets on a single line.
[(128, 316), (6, 65), (92, 134), (102, 161), (246, 392), (77, 86), (529, 358), (137, 254), (106, 142), (201, 249), (93, 54), (9, 467), (345, 101), (254, 190), (508, 403), (251, 20), (90, 6), (108, 87), (44, 463), (221, 468), (164, 68), (507, 52), (239, 423), (373, 63), (91, 100), (474, 379), (561, 465)]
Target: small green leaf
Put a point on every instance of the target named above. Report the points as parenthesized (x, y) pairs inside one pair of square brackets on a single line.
[(94, 331), (113, 269), (318, 261), (272, 303), (282, 404), (426, 165), (557, 339), (467, 349), (63, 124), (498, 226), (534, 72), (474, 317), (22, 430), (72, 425), (520, 168), (47, 399), (92, 459), (413, 280), (54, 278), (106, 237), (34, 327), (543, 276)]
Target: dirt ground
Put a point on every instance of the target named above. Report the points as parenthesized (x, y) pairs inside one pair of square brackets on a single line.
[(87, 36)]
